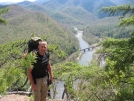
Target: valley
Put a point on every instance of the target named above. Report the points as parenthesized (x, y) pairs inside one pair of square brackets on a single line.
[(56, 21)]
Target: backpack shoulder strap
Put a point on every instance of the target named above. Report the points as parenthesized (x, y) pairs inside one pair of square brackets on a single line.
[(47, 54)]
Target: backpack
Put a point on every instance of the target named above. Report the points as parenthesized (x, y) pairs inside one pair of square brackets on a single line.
[(33, 44)]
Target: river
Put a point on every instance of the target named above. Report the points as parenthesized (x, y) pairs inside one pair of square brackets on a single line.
[(84, 60), (86, 56)]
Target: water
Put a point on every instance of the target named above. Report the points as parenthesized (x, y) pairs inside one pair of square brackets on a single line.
[(87, 55), (84, 60)]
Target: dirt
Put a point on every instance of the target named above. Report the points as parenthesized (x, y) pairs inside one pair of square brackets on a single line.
[(15, 97)]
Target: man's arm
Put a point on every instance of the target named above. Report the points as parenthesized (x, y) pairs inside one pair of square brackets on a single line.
[(50, 71), (29, 75)]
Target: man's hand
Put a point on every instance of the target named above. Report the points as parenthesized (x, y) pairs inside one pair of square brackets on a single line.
[(34, 87), (51, 79)]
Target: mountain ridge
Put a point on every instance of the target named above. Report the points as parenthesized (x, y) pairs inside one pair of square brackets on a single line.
[(56, 8)]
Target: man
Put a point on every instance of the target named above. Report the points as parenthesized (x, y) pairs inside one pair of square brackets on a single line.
[(38, 75)]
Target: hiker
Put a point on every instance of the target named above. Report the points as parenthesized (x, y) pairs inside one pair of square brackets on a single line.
[(41, 73)]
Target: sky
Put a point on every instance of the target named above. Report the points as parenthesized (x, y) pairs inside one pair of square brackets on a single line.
[(14, 1)]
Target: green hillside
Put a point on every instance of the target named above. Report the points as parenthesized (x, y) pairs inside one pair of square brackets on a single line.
[(107, 27), (67, 12), (85, 15), (22, 23)]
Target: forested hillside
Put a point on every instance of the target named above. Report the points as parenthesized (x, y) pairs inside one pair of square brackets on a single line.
[(113, 82), (91, 6), (85, 15), (107, 27), (67, 15), (22, 23)]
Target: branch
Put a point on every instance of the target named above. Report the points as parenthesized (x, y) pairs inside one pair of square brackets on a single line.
[(127, 82), (20, 92), (127, 21), (99, 98), (128, 76), (24, 83), (115, 10)]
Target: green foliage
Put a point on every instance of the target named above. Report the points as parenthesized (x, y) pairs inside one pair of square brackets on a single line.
[(79, 79), (119, 57), (69, 73), (3, 10), (13, 68), (113, 82), (127, 21), (107, 27), (123, 10), (88, 83)]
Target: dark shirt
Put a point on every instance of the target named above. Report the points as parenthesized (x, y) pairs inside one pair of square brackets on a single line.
[(40, 66)]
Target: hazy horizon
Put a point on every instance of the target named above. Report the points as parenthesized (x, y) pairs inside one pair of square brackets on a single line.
[(14, 1)]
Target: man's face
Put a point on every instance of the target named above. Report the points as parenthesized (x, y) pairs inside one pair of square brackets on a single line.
[(42, 48)]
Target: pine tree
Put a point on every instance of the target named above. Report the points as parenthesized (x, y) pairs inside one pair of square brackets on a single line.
[(3, 10), (120, 55)]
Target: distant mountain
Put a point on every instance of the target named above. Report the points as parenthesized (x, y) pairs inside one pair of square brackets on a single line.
[(67, 12), (42, 1), (2, 6), (28, 3), (92, 6), (6, 3), (120, 2), (25, 3), (70, 13)]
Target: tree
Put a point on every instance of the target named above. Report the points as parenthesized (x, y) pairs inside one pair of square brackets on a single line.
[(120, 55), (113, 83), (3, 10), (123, 11), (13, 67)]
